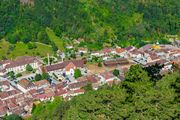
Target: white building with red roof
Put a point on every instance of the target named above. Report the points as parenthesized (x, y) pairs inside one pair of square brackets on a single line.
[(60, 70), (69, 69), (19, 65)]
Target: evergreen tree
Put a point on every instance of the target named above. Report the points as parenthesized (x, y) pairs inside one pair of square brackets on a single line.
[(77, 73), (29, 68)]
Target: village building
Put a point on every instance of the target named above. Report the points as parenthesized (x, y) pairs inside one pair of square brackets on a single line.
[(69, 69), (139, 56), (21, 105), (45, 96), (3, 108), (176, 43), (130, 48), (65, 68), (121, 52), (25, 85), (174, 55), (93, 79), (108, 77), (76, 92), (77, 85), (147, 47), (3, 65), (136, 54), (167, 65), (42, 84), (14, 101), (83, 50), (60, 90), (107, 51), (115, 62), (152, 56), (19, 65), (7, 90), (97, 53)]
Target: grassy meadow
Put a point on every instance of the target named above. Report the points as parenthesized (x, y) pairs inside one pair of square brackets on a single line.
[(21, 49), (58, 42)]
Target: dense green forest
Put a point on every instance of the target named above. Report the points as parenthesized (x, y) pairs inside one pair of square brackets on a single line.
[(138, 97), (125, 22)]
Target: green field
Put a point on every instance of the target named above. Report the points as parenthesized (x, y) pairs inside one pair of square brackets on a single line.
[(21, 49), (58, 42)]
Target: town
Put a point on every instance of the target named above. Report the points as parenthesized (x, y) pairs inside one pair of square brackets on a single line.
[(28, 80)]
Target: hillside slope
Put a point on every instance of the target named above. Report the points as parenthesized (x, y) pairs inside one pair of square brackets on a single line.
[(112, 21)]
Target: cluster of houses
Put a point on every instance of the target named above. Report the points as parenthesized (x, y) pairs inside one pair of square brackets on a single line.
[(147, 55), (18, 97)]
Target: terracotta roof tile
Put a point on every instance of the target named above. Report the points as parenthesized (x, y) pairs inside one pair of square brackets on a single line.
[(70, 66), (22, 61), (77, 63), (41, 83), (25, 83), (120, 50)]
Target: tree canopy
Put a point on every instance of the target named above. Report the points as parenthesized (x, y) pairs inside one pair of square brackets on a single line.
[(77, 73), (13, 117), (116, 72), (29, 68), (97, 21)]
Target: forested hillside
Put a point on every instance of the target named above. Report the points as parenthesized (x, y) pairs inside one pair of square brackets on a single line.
[(112, 21), (138, 97)]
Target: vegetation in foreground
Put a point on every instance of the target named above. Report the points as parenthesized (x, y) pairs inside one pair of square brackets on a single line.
[(45, 110), (137, 97)]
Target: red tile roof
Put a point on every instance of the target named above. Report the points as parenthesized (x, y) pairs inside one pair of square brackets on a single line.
[(70, 66), (107, 75), (41, 83), (129, 48), (45, 95), (78, 85), (3, 110), (33, 92), (157, 62), (25, 83), (22, 61), (77, 63), (12, 105), (5, 62), (79, 91), (120, 50), (154, 56), (4, 95), (61, 92), (120, 61), (92, 78), (106, 50)]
